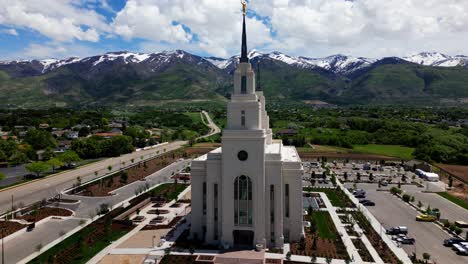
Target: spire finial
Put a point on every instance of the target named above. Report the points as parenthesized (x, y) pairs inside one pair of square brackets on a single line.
[(244, 57)]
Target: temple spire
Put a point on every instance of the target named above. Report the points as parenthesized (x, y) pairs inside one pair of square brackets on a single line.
[(259, 85), (244, 57)]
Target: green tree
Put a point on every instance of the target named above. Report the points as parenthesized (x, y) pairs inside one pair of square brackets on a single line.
[(48, 154), (55, 163), (3, 156), (68, 157), (38, 167), (19, 157), (40, 139)]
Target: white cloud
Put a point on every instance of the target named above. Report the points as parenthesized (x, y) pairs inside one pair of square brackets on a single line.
[(372, 28), (214, 25), (54, 50), (60, 20), (10, 31)]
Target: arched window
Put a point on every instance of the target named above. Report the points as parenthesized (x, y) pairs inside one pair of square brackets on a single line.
[(243, 118), (243, 201)]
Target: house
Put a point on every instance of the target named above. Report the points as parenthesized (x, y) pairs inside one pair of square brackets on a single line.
[(44, 126), (107, 135), (72, 135), (116, 131)]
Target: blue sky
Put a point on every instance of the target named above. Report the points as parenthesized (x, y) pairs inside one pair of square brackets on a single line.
[(315, 28)]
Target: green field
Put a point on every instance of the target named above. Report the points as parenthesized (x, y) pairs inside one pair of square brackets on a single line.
[(454, 199), (325, 226), (386, 150)]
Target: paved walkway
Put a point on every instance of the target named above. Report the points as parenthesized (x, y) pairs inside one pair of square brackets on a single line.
[(350, 248)]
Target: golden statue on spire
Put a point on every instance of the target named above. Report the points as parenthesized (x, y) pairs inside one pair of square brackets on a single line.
[(244, 7)]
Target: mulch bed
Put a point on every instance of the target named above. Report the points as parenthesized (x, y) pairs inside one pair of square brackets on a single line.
[(363, 252), (161, 212), (141, 170), (324, 248), (45, 212), (10, 227), (182, 259), (170, 225)]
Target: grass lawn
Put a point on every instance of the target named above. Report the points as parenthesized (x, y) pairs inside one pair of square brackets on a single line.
[(454, 199), (195, 116), (337, 198), (386, 150), (86, 252), (325, 226)]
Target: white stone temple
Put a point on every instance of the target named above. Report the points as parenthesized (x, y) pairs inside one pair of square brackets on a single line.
[(248, 192)]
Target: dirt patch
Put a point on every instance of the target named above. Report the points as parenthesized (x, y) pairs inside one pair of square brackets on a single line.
[(323, 247), (136, 173), (459, 187), (313, 156), (10, 227), (182, 259), (41, 213)]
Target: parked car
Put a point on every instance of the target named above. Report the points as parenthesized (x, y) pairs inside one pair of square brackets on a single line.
[(397, 230), (454, 240), (461, 248), (367, 202), (359, 191), (360, 195), (406, 240), (426, 218)]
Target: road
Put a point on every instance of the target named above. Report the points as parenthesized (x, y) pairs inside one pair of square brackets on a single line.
[(51, 186), (214, 129), (391, 211), (49, 231)]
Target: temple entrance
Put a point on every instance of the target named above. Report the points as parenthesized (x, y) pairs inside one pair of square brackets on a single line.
[(243, 238)]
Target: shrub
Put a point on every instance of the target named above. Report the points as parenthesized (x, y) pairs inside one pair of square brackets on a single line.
[(406, 198)]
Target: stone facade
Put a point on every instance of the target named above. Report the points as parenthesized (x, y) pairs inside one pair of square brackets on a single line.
[(249, 191)]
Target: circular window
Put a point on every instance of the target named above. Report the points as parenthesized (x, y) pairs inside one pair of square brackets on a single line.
[(242, 155)]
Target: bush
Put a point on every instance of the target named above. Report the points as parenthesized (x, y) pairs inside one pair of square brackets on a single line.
[(406, 198), (394, 190)]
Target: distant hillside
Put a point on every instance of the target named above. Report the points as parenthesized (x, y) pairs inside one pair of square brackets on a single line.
[(141, 79)]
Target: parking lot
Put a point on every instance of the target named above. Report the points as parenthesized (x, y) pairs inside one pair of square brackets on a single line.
[(391, 211)]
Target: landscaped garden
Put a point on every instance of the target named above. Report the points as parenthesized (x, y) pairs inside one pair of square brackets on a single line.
[(337, 197), (321, 238), (380, 246), (10, 227), (363, 252), (86, 243), (36, 215), (141, 169)]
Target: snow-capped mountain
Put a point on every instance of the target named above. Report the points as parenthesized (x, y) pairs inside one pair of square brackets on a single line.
[(437, 59), (338, 64)]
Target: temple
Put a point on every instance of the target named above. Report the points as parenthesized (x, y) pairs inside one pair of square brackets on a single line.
[(248, 192)]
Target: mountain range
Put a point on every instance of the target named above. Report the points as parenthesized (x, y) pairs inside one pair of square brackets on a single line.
[(146, 78)]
